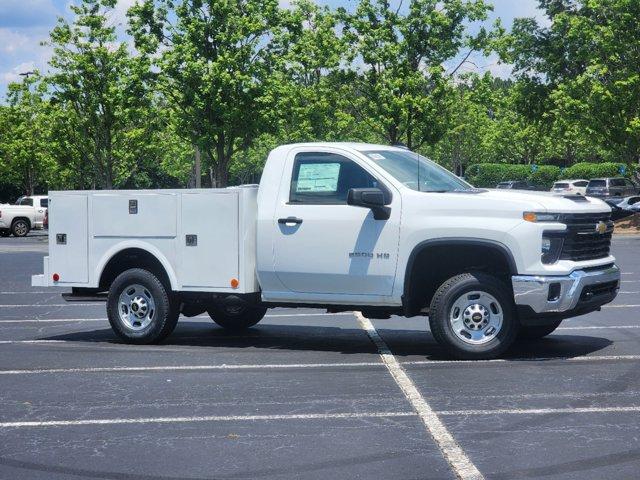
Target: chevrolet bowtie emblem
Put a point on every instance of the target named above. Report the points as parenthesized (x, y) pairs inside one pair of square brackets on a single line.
[(601, 228)]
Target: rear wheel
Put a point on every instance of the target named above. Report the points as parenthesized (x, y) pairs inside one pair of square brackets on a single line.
[(237, 317), (140, 308), (472, 316), (5, 233), (538, 331), (20, 228)]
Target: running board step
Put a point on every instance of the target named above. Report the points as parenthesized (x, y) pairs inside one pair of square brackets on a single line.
[(84, 297)]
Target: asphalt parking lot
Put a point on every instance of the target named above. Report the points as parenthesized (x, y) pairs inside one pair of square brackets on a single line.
[(309, 395)]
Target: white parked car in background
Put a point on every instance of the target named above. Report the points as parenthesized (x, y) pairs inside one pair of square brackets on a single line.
[(570, 187), (40, 203), (631, 203)]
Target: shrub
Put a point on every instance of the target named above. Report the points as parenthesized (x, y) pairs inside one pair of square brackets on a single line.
[(594, 170), (545, 176), (488, 175)]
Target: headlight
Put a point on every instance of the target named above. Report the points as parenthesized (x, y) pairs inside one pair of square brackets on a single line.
[(541, 217), (551, 247)]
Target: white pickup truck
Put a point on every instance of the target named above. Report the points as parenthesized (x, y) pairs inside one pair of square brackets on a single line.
[(28, 213), (16, 220), (341, 226)]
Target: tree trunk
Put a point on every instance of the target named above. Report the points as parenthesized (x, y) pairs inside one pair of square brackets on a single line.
[(198, 168)]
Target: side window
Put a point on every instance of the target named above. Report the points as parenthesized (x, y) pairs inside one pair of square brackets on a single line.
[(617, 182), (581, 184), (44, 202), (26, 201), (325, 178)]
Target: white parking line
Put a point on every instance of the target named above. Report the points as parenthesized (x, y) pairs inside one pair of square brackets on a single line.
[(282, 366), (208, 418), (73, 320), (589, 358), (453, 453), (599, 327), (319, 416), (173, 368), (52, 320), (539, 411), (69, 304), (30, 293)]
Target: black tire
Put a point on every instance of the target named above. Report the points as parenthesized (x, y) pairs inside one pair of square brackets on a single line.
[(165, 315), (236, 317), (20, 228), (538, 331), (5, 233), (442, 306)]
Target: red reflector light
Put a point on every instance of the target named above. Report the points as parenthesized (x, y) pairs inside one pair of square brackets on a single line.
[(56, 277)]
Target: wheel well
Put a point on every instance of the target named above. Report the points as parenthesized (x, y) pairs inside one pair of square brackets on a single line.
[(132, 258), (26, 219), (430, 265)]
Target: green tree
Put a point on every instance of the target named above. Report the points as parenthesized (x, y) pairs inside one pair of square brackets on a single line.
[(585, 67), (400, 86), (104, 98), (24, 141), (214, 58)]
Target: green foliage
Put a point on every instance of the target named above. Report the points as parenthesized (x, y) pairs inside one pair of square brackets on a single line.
[(544, 176), (234, 78), (594, 170), (488, 175)]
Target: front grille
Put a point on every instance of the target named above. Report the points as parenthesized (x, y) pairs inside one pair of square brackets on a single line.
[(583, 241), (591, 291)]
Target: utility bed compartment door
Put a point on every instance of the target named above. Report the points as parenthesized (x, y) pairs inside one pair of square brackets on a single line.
[(68, 238), (209, 240), (134, 214)]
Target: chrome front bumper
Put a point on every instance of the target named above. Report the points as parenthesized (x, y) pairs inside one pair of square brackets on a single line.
[(533, 291)]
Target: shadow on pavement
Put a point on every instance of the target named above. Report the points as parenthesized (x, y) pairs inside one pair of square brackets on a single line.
[(342, 340)]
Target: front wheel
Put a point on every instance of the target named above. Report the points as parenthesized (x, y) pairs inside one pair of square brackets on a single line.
[(472, 316), (236, 317), (140, 308)]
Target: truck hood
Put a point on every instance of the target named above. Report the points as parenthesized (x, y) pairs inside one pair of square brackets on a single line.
[(543, 201)]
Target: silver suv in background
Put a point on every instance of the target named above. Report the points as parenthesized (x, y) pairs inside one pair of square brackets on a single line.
[(611, 187)]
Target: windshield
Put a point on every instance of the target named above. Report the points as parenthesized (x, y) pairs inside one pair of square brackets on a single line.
[(597, 183), (416, 172)]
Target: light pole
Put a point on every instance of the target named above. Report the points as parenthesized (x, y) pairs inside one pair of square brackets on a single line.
[(30, 179)]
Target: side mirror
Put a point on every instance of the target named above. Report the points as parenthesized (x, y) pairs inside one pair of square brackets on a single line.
[(372, 198)]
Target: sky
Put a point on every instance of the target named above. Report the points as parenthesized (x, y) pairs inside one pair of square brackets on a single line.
[(24, 24)]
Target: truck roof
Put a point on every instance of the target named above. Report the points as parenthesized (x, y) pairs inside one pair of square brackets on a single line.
[(359, 146)]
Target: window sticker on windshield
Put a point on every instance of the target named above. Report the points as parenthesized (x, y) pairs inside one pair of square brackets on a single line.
[(318, 177), (376, 156)]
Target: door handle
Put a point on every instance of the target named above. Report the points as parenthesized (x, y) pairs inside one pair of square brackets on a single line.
[(289, 220)]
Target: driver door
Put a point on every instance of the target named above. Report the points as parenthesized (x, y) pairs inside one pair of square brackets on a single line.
[(321, 244)]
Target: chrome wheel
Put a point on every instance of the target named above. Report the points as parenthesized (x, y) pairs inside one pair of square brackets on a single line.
[(136, 307), (20, 228), (476, 317)]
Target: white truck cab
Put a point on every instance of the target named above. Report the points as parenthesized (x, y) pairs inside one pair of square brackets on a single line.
[(341, 226), (39, 203)]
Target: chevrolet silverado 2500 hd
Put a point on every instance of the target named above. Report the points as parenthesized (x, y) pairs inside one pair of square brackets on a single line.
[(341, 226)]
